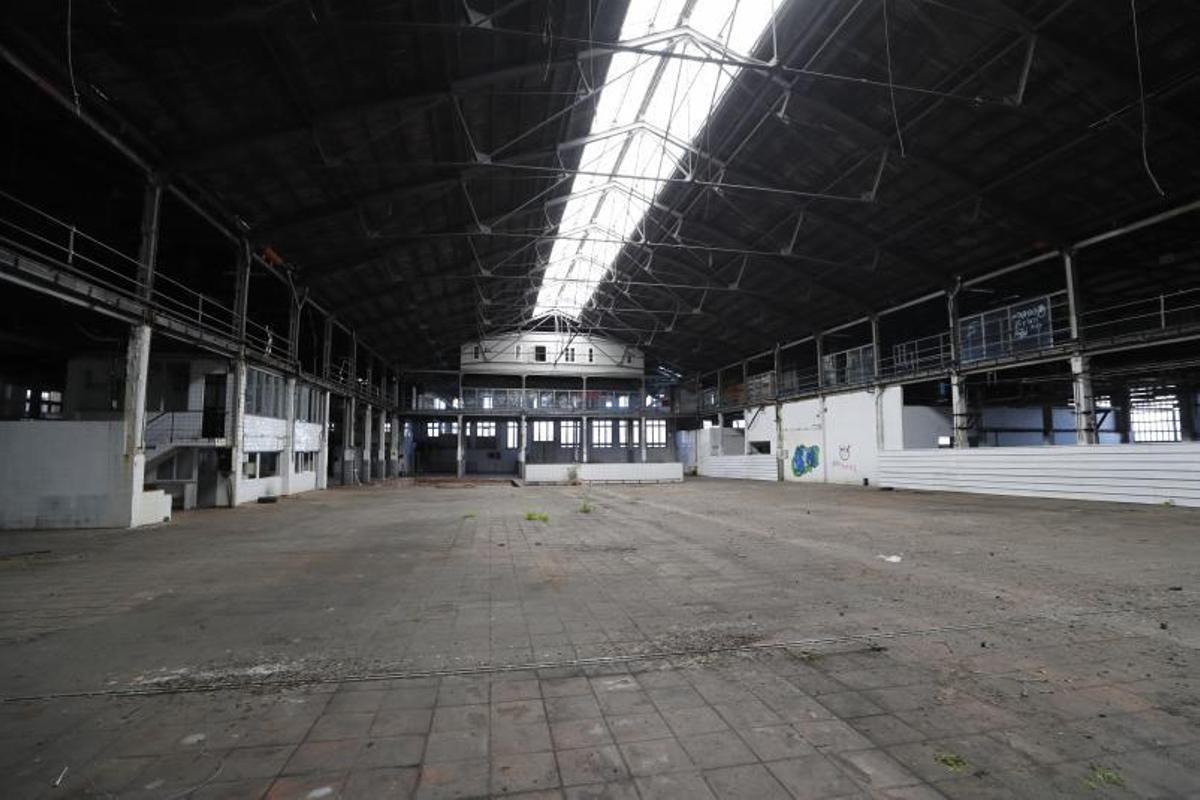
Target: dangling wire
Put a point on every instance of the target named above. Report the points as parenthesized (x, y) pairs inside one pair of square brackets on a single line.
[(887, 43), (1137, 51), (70, 62)]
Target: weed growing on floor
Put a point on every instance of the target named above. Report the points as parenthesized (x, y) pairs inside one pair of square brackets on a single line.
[(537, 516), (469, 515), (1099, 777), (585, 507), (953, 762)]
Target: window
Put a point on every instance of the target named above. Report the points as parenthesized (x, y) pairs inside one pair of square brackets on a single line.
[(543, 430), (476, 350), (485, 430), (250, 465), (591, 357), (623, 432), (656, 433), (628, 358), (738, 424), (511, 431), (518, 352), (539, 353), (630, 154), (265, 394), (1154, 414), (569, 354), (602, 433), (431, 430), (268, 465), (635, 430), (306, 461), (568, 432)]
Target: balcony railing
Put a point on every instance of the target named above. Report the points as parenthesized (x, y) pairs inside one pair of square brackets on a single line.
[(175, 427), (556, 401)]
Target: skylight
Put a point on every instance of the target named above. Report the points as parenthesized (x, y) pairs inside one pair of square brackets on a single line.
[(649, 112)]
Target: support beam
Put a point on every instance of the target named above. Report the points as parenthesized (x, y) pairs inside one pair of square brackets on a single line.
[(323, 454), (1085, 401), (287, 468), (137, 370), (959, 401), (148, 250), (367, 451), (460, 457), (381, 452)]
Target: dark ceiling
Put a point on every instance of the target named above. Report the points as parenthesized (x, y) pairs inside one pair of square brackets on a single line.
[(403, 157)]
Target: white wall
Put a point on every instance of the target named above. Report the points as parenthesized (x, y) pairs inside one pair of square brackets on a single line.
[(650, 472), (1133, 473), (308, 437), (839, 436), (924, 424), (753, 468), (61, 474), (498, 355), (637, 472), (760, 426), (263, 434)]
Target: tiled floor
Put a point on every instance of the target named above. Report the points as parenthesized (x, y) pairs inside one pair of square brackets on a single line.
[(715, 639)]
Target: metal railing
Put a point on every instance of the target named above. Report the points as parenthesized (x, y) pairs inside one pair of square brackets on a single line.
[(1163, 312), (172, 427), (33, 233), (558, 401)]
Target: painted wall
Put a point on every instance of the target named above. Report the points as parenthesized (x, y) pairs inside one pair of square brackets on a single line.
[(62, 474), (837, 438), (1131, 473)]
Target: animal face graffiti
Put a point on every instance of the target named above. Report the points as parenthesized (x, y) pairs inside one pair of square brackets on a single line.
[(805, 459)]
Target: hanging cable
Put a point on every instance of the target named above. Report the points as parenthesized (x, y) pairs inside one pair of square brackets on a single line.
[(71, 63), (1137, 52), (887, 44)]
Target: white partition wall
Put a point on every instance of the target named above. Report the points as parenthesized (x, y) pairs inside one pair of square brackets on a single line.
[(1131, 473), (838, 438)]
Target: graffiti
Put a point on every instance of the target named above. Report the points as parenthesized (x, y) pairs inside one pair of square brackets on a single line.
[(806, 459), (844, 452)]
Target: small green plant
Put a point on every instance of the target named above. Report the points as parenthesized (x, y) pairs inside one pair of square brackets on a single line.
[(585, 507), (953, 762), (537, 516), (469, 515), (1102, 776)]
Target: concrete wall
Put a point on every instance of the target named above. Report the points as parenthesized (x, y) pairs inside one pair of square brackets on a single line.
[(837, 438), (61, 474), (1132, 473), (760, 426), (631, 473), (604, 473)]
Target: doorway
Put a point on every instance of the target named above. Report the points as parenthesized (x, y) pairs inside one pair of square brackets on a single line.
[(213, 421)]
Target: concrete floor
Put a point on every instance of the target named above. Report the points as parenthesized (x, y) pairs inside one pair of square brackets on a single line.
[(715, 638)]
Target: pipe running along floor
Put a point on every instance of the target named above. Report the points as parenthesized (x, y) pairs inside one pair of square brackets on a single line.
[(715, 638)]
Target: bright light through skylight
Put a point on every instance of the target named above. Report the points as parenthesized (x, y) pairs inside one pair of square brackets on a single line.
[(648, 113)]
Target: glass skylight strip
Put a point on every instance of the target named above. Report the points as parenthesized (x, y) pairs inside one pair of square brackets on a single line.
[(657, 105)]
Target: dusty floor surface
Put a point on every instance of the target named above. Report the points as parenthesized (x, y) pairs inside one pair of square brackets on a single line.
[(715, 638)]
